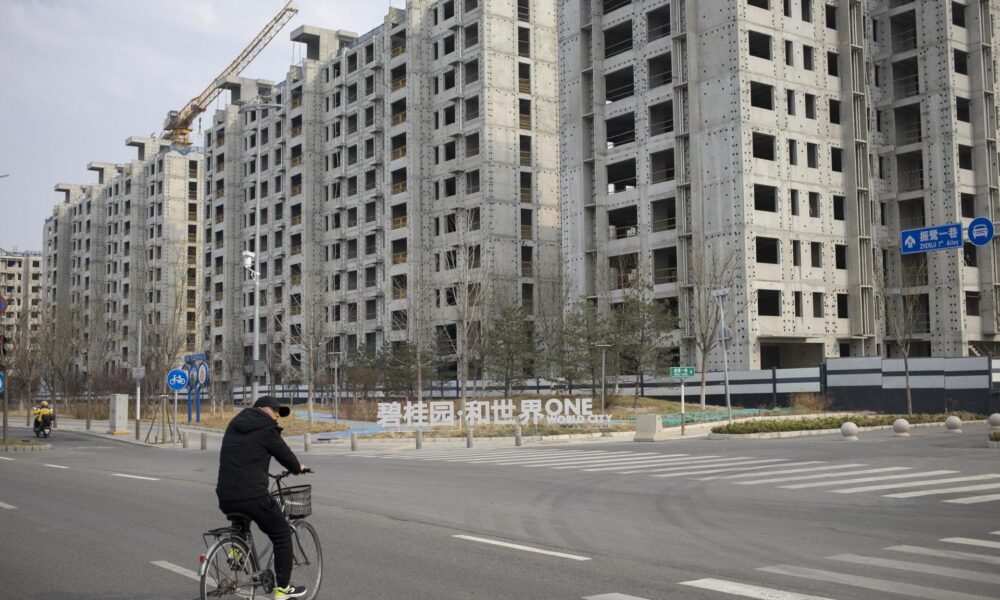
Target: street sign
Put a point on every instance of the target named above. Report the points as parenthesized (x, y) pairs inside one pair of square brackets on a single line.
[(138, 373), (930, 239), (981, 231), (202, 374), (3, 305), (194, 357), (3, 382), (682, 371), (177, 380)]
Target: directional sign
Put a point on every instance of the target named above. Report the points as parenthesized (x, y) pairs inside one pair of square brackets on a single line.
[(3, 305), (194, 357), (3, 382), (203, 374), (981, 231), (177, 380), (929, 239), (682, 371)]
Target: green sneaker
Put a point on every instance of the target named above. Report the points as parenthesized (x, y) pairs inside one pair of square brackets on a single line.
[(292, 591)]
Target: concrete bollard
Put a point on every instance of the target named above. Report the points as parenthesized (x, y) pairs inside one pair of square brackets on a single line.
[(420, 439), (901, 428), (468, 438), (517, 436), (354, 442), (204, 441), (185, 440), (306, 442), (850, 431), (953, 424), (995, 422)]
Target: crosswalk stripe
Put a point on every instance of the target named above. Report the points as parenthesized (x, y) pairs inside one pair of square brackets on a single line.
[(471, 453), (6, 506), (904, 565), (665, 463), (176, 569), (785, 472), (700, 469), (792, 464), (820, 476), (955, 554), (517, 460), (953, 490), (614, 596), (627, 462), (871, 583), (747, 591), (972, 542), (893, 486), (691, 461), (550, 455), (631, 456), (799, 486), (975, 499), (5, 458), (721, 469)]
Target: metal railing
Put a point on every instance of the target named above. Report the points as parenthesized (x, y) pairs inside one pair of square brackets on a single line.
[(620, 138), (909, 133), (524, 121), (398, 83), (296, 101), (526, 195), (622, 185), (398, 293), (620, 232), (296, 160), (399, 258), (527, 268), (904, 87), (665, 275), (399, 187), (664, 224), (525, 158), (662, 78), (219, 192), (620, 92), (297, 219), (617, 48), (398, 153), (524, 85), (397, 50), (911, 180), (399, 222), (399, 118), (661, 127), (904, 40), (662, 175), (527, 232), (296, 249), (524, 49), (296, 190), (655, 33), (193, 173)]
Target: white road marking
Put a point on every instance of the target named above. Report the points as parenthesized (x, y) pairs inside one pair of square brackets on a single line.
[(658, 463), (615, 596), (703, 469), (623, 461), (538, 454), (995, 533), (6, 506), (550, 456), (973, 542), (913, 567), (975, 499), (134, 477), (794, 464), (176, 569), (953, 490), (983, 558), (691, 461), (893, 486), (55, 466), (871, 583), (520, 547), (548, 460), (799, 486), (5, 458), (785, 471), (821, 476), (747, 591)]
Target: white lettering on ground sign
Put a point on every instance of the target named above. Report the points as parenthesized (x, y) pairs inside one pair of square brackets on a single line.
[(444, 413)]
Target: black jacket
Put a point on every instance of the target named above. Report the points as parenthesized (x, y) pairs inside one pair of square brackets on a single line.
[(251, 439)]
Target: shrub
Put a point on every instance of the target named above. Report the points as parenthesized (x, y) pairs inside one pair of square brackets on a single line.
[(773, 425), (810, 403), (995, 436)]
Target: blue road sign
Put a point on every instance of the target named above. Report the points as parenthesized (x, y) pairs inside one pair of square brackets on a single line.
[(177, 380), (3, 382), (929, 239), (981, 231), (194, 357)]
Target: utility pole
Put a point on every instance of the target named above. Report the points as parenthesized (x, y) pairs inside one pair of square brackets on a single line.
[(719, 296), (604, 387), (139, 372)]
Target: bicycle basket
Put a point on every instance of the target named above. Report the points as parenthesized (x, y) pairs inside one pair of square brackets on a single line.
[(295, 500)]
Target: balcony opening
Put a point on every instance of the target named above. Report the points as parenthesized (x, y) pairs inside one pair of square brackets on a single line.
[(972, 304), (961, 62), (660, 70), (968, 206), (398, 213), (527, 194), (765, 197), (661, 166), (620, 130), (907, 121), (399, 251), (399, 181), (527, 265), (398, 146), (524, 42), (398, 114), (962, 109), (661, 118), (398, 77), (623, 223), (524, 10), (664, 214), (665, 265), (399, 287), (838, 208), (965, 157), (524, 78), (765, 4), (617, 39), (911, 213), (759, 45), (840, 256), (769, 303), (905, 79), (621, 176), (768, 250), (619, 84), (763, 146), (624, 270), (910, 172), (658, 23), (397, 43), (524, 113), (527, 225), (524, 149), (761, 95)]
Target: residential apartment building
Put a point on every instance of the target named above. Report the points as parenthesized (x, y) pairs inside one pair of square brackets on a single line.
[(21, 285), (796, 137), (124, 251), (398, 174)]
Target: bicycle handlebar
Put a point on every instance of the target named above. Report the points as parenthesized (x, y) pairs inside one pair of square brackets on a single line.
[(284, 474)]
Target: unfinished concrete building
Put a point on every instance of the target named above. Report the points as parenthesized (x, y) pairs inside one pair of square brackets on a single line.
[(21, 284), (770, 131), (123, 251), (404, 168)]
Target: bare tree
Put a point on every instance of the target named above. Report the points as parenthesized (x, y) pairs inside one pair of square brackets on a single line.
[(646, 326), (906, 311), (25, 358), (508, 344), (470, 291), (312, 336), (586, 326), (709, 270)]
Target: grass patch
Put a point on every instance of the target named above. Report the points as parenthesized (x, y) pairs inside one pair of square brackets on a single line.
[(776, 425), (291, 425), (13, 442)]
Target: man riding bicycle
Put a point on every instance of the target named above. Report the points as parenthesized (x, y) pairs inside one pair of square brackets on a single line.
[(251, 439)]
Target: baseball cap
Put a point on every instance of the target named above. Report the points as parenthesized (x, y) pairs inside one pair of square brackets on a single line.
[(272, 402)]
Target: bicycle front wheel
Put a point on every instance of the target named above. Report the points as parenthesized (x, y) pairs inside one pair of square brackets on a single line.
[(228, 571), (307, 558)]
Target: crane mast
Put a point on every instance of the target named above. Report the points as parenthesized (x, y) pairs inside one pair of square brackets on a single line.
[(177, 126)]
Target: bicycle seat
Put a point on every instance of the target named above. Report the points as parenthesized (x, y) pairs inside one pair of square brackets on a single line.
[(240, 522)]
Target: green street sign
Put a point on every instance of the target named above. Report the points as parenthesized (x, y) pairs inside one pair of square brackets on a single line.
[(682, 371)]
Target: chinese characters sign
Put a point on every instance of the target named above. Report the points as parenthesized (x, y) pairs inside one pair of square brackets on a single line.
[(929, 239), (444, 413)]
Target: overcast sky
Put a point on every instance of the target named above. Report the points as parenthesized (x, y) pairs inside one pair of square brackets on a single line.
[(80, 76)]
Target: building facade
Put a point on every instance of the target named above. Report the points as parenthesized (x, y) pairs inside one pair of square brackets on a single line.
[(794, 138), (21, 285), (402, 176), (121, 256)]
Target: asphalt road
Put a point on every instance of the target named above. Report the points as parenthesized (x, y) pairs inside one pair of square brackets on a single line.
[(585, 520)]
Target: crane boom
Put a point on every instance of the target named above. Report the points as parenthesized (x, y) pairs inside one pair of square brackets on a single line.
[(177, 126)]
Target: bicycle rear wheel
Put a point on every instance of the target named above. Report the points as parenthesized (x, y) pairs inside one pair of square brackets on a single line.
[(307, 558), (228, 571)]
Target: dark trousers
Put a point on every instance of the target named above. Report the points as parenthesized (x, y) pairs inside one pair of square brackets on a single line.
[(266, 513)]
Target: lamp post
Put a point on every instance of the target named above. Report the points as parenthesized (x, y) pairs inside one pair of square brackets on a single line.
[(604, 387), (336, 384), (250, 258), (719, 296)]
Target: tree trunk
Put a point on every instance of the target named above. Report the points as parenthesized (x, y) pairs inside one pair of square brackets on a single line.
[(704, 375), (420, 376), (909, 395)]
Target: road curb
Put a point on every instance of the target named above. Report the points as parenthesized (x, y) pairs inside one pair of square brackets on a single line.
[(775, 435), (30, 448), (565, 437)]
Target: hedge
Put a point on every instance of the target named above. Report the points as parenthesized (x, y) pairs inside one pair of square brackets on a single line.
[(995, 436), (773, 425)]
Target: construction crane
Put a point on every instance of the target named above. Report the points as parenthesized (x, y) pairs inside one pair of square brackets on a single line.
[(177, 126)]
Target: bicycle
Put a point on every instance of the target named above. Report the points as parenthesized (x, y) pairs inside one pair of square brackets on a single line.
[(232, 566)]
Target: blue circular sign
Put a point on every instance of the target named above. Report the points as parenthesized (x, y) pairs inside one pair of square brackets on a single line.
[(3, 382), (177, 380), (981, 231)]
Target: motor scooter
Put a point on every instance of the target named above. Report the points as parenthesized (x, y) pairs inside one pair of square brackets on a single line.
[(43, 426)]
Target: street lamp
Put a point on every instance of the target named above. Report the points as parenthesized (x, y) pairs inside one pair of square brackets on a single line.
[(336, 384), (719, 296), (249, 257), (604, 387)]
